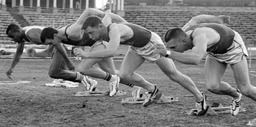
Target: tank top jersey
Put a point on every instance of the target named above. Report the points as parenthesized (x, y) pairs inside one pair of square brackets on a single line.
[(141, 36), (27, 28), (85, 41), (226, 37)]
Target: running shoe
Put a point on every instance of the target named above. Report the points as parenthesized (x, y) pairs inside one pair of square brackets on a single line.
[(235, 104), (202, 107), (93, 83), (90, 84), (114, 84), (154, 97)]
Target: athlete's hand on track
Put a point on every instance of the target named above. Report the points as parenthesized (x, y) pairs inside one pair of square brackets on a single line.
[(9, 73), (31, 51)]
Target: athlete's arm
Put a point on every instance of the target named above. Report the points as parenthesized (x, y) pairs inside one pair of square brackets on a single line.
[(201, 38), (202, 19), (16, 58), (112, 18), (89, 12), (114, 42), (207, 19), (61, 50)]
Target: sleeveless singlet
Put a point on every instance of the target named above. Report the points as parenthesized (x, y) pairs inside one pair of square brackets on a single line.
[(141, 36), (85, 41), (27, 28), (226, 37)]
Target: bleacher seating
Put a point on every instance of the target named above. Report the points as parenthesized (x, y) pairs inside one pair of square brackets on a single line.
[(5, 20), (50, 20), (157, 19)]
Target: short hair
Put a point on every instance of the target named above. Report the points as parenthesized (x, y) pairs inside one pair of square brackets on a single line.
[(12, 27), (173, 33), (48, 33), (225, 19), (91, 21)]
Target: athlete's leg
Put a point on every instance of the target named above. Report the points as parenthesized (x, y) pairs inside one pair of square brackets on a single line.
[(130, 63), (87, 66), (108, 65), (59, 70), (242, 79), (214, 71), (169, 68)]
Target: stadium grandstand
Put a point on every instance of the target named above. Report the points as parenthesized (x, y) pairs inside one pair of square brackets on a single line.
[(156, 15)]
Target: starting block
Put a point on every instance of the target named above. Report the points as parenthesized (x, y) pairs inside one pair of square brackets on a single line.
[(97, 93), (138, 98), (215, 109), (163, 100), (91, 93), (14, 82)]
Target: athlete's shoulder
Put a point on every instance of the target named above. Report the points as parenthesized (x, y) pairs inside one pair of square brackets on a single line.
[(26, 28), (34, 33)]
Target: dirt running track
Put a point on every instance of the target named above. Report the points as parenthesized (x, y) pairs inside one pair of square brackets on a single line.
[(36, 105)]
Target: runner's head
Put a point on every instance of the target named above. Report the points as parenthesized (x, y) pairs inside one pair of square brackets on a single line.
[(94, 27), (48, 35), (176, 39), (14, 32)]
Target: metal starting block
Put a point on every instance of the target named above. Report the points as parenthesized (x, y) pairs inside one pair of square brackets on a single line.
[(97, 93), (139, 98), (163, 100), (91, 93), (215, 109)]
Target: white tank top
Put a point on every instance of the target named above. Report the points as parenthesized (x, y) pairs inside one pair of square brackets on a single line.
[(27, 28)]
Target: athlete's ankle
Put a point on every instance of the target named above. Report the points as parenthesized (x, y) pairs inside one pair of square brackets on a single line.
[(201, 98), (108, 77), (113, 78), (239, 97)]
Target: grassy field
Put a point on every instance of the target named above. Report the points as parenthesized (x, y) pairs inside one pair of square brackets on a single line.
[(36, 105)]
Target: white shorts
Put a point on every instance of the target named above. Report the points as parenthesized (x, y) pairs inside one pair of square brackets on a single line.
[(235, 52), (147, 51), (98, 43)]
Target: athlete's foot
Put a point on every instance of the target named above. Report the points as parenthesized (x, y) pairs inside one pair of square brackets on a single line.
[(235, 104), (202, 107), (90, 84), (114, 84), (93, 84), (154, 97)]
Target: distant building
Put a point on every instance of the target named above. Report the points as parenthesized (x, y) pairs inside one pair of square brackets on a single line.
[(58, 5)]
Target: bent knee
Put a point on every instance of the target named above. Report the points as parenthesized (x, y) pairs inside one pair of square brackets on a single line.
[(212, 87), (53, 74), (83, 67)]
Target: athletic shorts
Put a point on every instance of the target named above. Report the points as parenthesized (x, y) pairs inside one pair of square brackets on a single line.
[(147, 51), (235, 52), (98, 43)]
